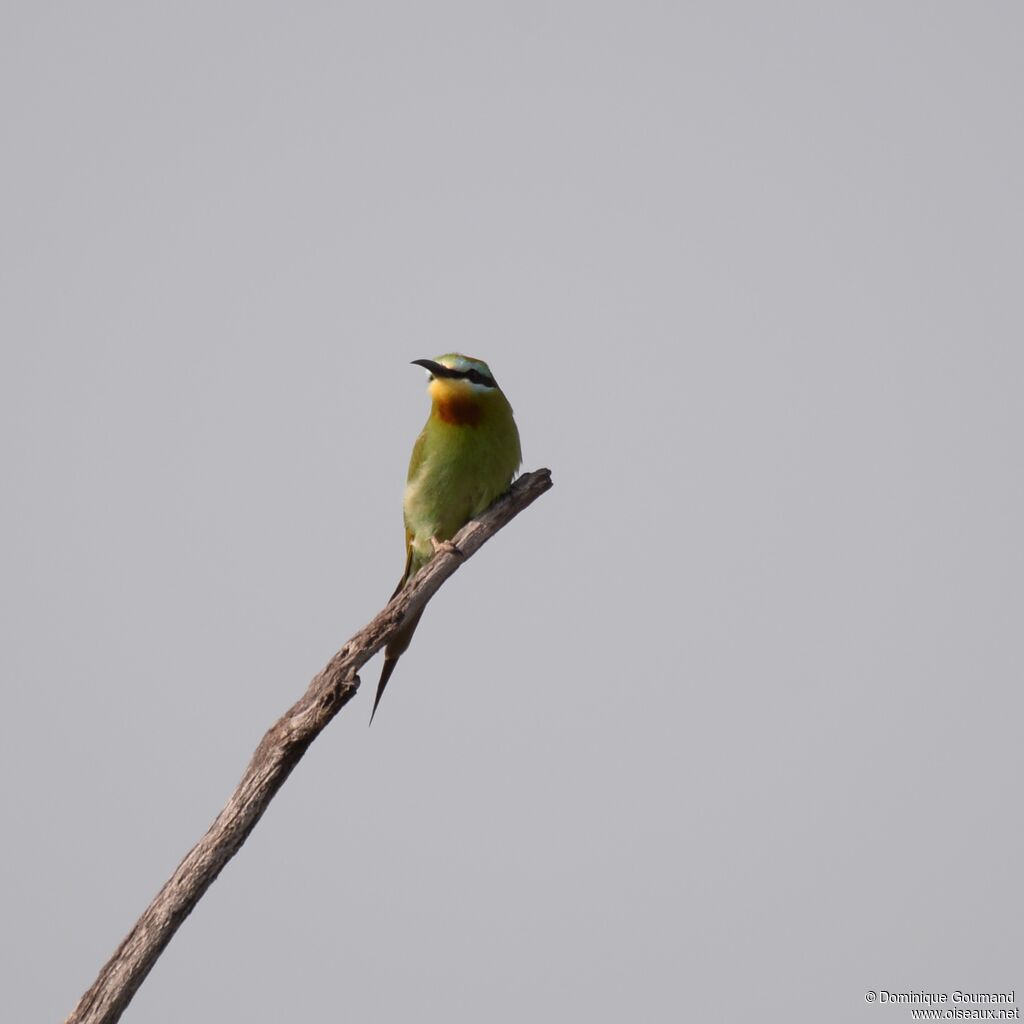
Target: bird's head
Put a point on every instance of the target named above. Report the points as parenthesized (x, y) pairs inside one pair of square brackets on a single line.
[(460, 387)]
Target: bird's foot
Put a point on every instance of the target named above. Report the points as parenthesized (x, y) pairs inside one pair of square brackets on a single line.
[(444, 547)]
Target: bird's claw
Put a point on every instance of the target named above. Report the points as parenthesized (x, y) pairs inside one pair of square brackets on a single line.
[(444, 547)]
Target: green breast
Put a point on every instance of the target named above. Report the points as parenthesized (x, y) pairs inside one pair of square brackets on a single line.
[(457, 470)]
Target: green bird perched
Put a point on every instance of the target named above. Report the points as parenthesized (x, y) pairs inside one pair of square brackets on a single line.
[(466, 457)]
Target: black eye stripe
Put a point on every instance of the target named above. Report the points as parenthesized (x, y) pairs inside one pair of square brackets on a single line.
[(474, 376)]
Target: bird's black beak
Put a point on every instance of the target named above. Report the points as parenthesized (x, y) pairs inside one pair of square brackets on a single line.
[(435, 368)]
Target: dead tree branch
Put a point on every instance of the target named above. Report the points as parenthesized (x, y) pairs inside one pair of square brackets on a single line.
[(278, 753)]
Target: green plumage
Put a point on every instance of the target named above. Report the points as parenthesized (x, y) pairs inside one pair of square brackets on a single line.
[(465, 457)]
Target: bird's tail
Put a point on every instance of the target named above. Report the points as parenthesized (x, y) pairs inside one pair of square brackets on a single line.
[(394, 650)]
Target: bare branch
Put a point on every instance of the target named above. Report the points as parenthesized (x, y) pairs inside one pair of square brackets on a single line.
[(278, 753)]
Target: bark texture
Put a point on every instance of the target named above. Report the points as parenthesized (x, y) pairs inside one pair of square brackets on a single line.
[(277, 754)]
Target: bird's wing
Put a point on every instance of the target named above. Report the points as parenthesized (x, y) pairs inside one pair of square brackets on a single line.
[(416, 459), (408, 563), (400, 641), (415, 462)]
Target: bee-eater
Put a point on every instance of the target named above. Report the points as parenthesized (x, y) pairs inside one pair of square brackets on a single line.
[(465, 457)]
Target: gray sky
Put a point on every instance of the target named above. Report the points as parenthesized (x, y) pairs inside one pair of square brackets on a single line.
[(726, 726)]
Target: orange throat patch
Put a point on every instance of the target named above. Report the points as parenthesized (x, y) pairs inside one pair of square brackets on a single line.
[(459, 410)]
